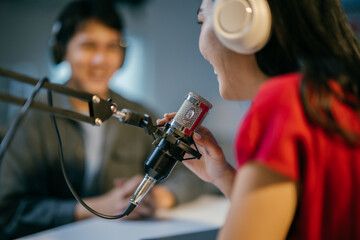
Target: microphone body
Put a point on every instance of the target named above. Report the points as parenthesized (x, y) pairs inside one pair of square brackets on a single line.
[(174, 143)]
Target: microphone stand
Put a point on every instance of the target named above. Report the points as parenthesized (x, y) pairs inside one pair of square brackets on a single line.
[(174, 144), (99, 110)]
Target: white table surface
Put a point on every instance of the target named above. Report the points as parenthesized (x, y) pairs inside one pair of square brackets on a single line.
[(205, 213)]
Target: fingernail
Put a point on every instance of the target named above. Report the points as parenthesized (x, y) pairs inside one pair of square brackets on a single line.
[(197, 136)]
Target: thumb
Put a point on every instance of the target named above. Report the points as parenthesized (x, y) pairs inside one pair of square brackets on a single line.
[(197, 136)]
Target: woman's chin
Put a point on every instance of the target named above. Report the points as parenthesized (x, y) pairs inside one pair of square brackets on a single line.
[(224, 94)]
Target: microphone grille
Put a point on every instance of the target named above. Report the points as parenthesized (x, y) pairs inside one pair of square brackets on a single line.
[(191, 113)]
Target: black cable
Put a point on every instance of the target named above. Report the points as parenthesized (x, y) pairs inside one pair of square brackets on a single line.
[(15, 124), (129, 208)]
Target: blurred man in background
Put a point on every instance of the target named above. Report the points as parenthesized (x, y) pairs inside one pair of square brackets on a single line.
[(105, 164)]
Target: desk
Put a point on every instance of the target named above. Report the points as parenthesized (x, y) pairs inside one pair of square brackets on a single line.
[(204, 214)]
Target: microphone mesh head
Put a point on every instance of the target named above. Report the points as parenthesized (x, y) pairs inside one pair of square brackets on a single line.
[(191, 113)]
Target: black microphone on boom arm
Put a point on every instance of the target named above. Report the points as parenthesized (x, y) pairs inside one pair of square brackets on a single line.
[(172, 142)]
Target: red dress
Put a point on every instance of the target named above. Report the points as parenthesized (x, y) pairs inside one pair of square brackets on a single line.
[(276, 133)]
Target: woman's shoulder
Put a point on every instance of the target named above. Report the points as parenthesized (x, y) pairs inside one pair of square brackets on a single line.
[(283, 90), (274, 121), (278, 84), (279, 91)]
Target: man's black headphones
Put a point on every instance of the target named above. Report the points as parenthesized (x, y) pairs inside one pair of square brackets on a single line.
[(243, 26), (57, 48)]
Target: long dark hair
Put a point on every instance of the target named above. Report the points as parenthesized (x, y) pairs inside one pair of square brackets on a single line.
[(314, 37)]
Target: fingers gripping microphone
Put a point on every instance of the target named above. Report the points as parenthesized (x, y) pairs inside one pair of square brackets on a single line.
[(176, 141), (172, 144)]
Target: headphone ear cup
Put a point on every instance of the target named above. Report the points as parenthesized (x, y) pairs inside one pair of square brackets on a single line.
[(56, 47), (243, 26), (58, 52), (122, 60)]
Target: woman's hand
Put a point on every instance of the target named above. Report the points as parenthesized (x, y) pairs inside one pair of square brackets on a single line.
[(212, 167)]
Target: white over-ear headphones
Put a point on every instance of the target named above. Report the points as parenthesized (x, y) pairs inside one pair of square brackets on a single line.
[(242, 25)]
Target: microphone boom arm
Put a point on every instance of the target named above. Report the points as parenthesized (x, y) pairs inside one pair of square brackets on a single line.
[(171, 143), (99, 109)]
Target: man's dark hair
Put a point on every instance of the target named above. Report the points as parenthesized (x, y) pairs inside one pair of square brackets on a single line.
[(73, 16)]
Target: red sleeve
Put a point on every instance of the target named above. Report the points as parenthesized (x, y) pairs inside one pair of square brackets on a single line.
[(275, 128)]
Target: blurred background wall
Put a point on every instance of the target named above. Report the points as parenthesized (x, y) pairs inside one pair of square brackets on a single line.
[(163, 62)]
